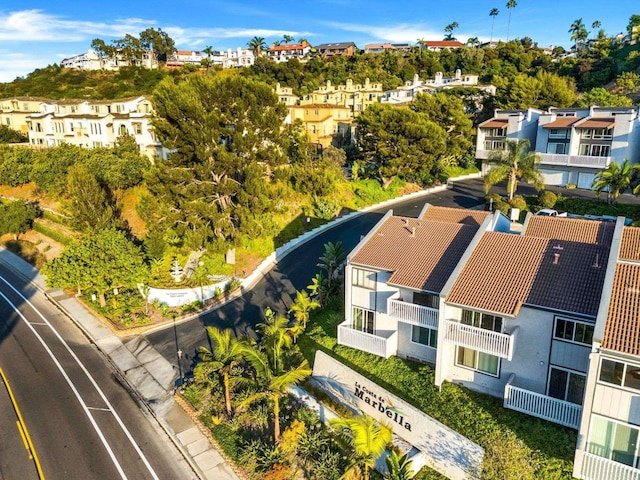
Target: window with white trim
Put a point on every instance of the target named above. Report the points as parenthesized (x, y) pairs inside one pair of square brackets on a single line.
[(621, 374), (363, 278), (558, 148), (613, 440), (573, 331), (566, 385), (426, 299), (363, 320), (482, 362), (424, 336), (481, 320), (594, 150)]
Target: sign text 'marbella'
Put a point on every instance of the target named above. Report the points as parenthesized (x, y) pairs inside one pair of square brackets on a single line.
[(379, 403)]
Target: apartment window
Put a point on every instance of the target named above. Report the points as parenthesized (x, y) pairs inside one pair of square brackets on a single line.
[(363, 278), (493, 145), (122, 130), (38, 127), (495, 132), (363, 320), (424, 336), (573, 331), (482, 362), (96, 128), (614, 441), (559, 133), (566, 385), (560, 148), (482, 320), (597, 133), (96, 144), (137, 128), (594, 150), (620, 373), (426, 300)]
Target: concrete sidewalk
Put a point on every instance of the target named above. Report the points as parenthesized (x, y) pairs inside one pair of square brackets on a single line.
[(149, 375)]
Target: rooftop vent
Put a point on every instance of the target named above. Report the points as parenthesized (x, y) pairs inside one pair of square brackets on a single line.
[(556, 258)]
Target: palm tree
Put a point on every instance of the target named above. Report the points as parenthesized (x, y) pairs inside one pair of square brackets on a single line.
[(276, 383), (510, 4), (493, 13), (277, 335), (449, 31), (333, 257), (226, 354), (287, 38), (302, 306), (578, 32), (595, 25), (302, 41), (398, 467), (257, 45), (512, 164), (473, 41), (367, 438), (318, 288), (615, 179)]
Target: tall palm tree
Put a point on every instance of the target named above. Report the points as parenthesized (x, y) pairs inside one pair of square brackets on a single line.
[(595, 25), (302, 306), (493, 13), (275, 383), (226, 354), (615, 179), (333, 257), (578, 32), (512, 164), (398, 467), (510, 4), (277, 335), (257, 45), (287, 38), (367, 438)]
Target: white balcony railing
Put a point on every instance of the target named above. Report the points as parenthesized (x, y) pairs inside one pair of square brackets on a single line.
[(486, 341), (413, 314), (599, 468), (384, 345), (542, 406), (574, 160)]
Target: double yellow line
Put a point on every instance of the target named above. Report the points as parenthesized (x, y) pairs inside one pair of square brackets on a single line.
[(22, 428)]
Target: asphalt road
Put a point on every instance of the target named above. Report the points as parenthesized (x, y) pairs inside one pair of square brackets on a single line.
[(294, 272), (83, 424)]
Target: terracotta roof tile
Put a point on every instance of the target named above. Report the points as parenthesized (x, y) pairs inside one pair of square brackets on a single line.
[(495, 123), (422, 261), (630, 247), (562, 122), (455, 215), (506, 271), (571, 229), (622, 331), (597, 123)]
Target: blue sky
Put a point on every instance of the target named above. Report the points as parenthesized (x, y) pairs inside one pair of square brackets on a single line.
[(37, 33)]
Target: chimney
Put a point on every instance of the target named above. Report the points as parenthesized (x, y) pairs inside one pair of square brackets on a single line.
[(596, 264), (556, 258), (413, 231)]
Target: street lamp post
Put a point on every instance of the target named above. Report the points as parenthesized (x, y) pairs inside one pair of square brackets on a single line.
[(178, 352)]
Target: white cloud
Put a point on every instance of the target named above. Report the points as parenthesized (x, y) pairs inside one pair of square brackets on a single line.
[(38, 26), (16, 65), (196, 36), (403, 32)]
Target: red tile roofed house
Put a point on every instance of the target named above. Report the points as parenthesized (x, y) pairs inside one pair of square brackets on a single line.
[(283, 53), (394, 277), (608, 438), (437, 45), (520, 316)]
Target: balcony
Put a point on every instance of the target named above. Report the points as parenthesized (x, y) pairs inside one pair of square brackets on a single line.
[(384, 343), (484, 154), (479, 339), (542, 406), (574, 160), (599, 468), (413, 314)]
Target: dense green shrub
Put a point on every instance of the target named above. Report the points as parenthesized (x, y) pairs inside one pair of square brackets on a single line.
[(547, 199), (518, 202)]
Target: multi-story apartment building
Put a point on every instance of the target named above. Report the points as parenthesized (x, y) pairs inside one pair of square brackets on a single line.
[(547, 318), (283, 53), (573, 143), (387, 47), (506, 125), (333, 49), (240, 57), (180, 58), (355, 96), (94, 124), (323, 122), (286, 95), (15, 110), (93, 61)]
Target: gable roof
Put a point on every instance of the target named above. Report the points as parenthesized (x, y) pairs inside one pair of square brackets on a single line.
[(506, 271), (335, 46), (622, 330), (630, 246), (591, 122), (287, 47), (495, 123), (570, 229), (455, 215), (420, 254)]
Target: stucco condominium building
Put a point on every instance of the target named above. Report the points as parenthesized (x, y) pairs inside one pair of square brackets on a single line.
[(94, 124), (573, 143), (547, 318), (355, 96)]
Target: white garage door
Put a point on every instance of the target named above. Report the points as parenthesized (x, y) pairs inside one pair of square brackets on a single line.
[(555, 177), (585, 180)]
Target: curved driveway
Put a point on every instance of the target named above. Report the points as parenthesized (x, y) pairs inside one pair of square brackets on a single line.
[(294, 272)]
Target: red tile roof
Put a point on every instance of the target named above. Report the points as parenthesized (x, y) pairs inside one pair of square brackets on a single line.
[(442, 43), (455, 215), (421, 259), (597, 123), (622, 330), (495, 123), (570, 229), (506, 271), (630, 247), (282, 48)]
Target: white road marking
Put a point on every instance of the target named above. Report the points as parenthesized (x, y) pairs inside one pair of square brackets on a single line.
[(75, 391)]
